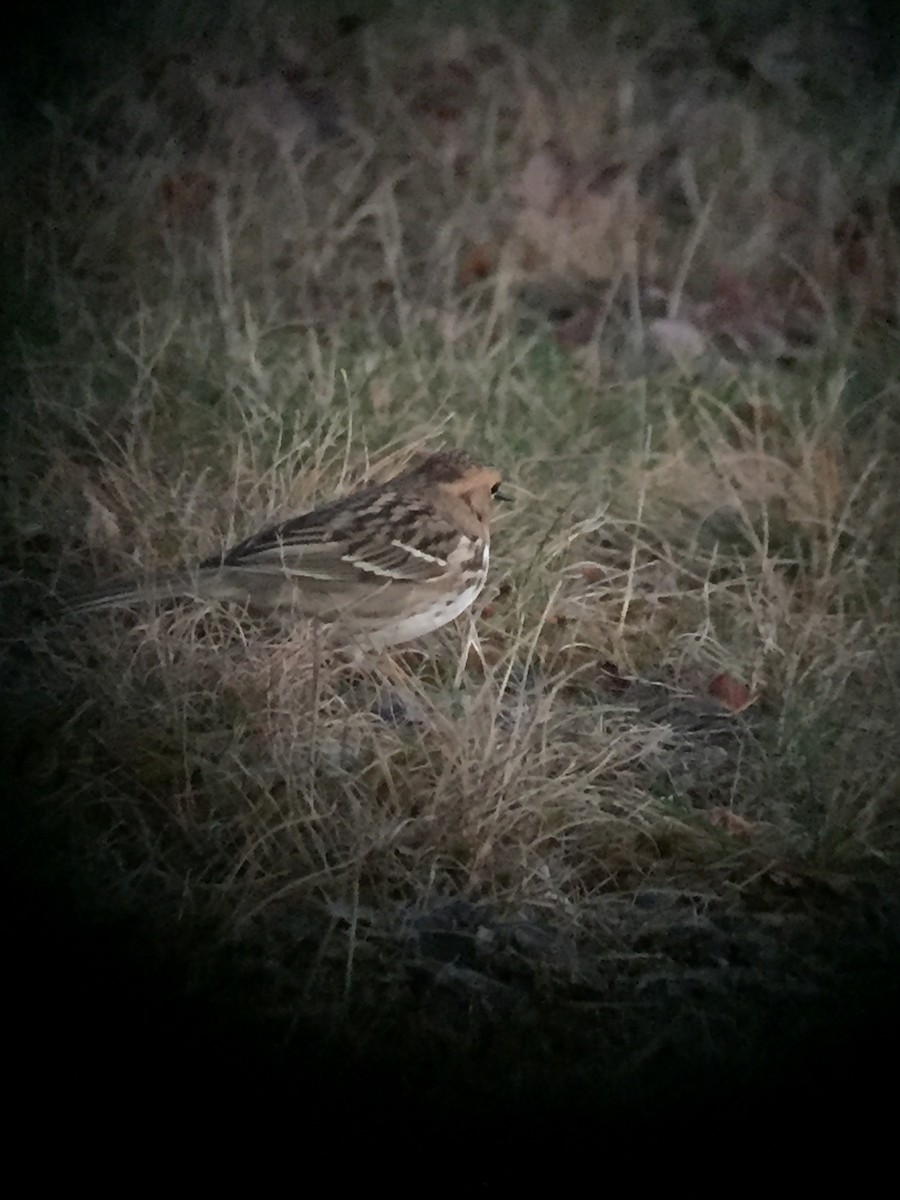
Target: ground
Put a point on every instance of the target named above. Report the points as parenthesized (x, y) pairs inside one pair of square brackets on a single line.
[(647, 267)]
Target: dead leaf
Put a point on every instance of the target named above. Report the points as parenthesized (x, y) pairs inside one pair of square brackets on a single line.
[(729, 692), (492, 652), (774, 316), (579, 219), (478, 262), (731, 822), (556, 618)]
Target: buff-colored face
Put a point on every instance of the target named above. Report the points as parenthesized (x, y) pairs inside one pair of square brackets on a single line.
[(476, 487), (459, 485)]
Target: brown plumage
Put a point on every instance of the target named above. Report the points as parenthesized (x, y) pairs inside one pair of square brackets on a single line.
[(383, 565)]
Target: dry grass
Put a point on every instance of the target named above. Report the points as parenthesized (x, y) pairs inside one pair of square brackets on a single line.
[(228, 331)]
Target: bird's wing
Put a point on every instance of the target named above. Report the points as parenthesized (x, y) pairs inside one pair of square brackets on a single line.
[(375, 534)]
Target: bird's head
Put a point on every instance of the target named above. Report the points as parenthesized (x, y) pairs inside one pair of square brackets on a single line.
[(455, 477)]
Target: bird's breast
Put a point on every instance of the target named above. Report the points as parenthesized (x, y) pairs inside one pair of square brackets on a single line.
[(470, 557)]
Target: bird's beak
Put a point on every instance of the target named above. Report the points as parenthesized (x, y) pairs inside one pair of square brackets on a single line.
[(498, 495)]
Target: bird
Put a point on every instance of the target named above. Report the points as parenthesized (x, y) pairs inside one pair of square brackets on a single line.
[(385, 564)]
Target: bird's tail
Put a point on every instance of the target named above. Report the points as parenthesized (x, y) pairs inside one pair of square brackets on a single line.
[(166, 587)]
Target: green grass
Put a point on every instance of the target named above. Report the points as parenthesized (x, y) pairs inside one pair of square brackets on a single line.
[(175, 388)]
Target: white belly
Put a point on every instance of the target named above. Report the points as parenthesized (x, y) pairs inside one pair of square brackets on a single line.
[(445, 609)]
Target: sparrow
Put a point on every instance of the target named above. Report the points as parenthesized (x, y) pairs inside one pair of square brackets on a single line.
[(385, 564)]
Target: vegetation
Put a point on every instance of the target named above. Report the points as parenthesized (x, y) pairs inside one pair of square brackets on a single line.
[(646, 268)]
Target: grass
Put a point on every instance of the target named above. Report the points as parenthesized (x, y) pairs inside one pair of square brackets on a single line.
[(412, 856)]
